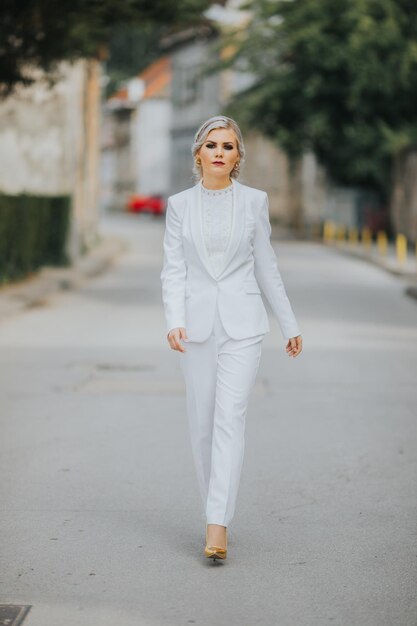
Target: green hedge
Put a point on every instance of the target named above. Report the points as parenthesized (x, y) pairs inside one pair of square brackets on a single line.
[(33, 232)]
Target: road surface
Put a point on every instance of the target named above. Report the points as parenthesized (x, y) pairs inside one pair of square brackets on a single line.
[(100, 521)]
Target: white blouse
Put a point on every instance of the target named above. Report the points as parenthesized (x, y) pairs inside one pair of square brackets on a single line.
[(217, 208)]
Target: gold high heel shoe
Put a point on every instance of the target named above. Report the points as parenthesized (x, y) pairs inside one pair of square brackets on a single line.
[(215, 552)]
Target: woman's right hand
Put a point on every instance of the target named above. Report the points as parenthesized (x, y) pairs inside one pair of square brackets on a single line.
[(174, 336)]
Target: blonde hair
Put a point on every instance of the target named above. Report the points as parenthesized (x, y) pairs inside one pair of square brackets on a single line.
[(218, 121)]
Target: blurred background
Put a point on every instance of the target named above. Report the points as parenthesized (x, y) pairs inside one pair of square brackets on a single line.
[(100, 103), (100, 520)]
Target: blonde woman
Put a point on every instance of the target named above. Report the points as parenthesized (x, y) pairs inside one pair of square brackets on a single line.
[(217, 260)]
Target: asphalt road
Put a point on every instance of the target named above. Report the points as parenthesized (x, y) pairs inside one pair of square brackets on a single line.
[(100, 520)]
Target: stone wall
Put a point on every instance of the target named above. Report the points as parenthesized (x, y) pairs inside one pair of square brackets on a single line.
[(49, 144), (404, 195)]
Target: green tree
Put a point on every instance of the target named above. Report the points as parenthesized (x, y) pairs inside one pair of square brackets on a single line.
[(41, 33), (338, 77), (132, 49)]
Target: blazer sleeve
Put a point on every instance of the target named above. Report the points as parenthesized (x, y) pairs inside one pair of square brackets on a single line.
[(268, 275), (174, 270)]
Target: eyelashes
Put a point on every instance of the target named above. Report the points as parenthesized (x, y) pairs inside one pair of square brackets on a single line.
[(212, 145)]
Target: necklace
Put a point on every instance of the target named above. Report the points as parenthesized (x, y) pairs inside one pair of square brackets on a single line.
[(216, 192)]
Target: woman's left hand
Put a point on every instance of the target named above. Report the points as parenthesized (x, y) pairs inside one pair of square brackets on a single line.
[(294, 346)]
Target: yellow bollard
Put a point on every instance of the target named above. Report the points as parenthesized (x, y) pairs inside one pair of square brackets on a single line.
[(366, 237), (401, 248), (340, 233), (353, 236), (382, 242), (329, 230)]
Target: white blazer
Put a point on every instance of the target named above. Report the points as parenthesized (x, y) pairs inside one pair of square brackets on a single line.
[(190, 291)]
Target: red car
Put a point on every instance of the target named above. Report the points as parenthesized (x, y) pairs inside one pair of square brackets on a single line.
[(146, 204)]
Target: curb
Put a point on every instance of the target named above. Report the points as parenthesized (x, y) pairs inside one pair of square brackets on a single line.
[(411, 291), (390, 265), (31, 291)]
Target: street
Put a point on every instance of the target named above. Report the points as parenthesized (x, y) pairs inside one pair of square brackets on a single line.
[(100, 520)]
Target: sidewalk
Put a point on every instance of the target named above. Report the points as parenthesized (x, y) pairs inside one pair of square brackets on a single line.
[(407, 270), (31, 291), (390, 263)]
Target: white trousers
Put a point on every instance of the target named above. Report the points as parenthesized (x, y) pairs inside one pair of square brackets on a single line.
[(219, 375)]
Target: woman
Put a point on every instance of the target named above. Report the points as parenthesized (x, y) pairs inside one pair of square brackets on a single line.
[(217, 258)]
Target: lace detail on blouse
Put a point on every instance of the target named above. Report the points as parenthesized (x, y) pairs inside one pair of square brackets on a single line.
[(217, 208)]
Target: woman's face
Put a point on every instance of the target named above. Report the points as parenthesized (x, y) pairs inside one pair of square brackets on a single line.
[(219, 152)]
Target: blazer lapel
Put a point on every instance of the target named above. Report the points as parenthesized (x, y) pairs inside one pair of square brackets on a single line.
[(196, 220), (238, 226)]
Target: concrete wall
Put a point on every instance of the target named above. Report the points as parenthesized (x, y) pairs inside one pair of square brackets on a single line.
[(151, 146), (300, 193), (49, 144), (266, 168), (404, 195), (321, 199), (118, 173), (136, 151)]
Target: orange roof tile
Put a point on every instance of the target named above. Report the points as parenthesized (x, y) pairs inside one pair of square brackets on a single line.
[(157, 77)]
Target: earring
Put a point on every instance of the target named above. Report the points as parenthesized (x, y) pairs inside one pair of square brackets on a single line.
[(198, 161), (237, 165)]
